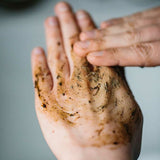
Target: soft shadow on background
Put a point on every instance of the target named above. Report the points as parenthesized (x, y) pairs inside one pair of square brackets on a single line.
[(20, 31)]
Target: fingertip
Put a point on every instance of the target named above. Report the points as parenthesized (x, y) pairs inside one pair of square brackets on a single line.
[(82, 36), (93, 60), (78, 50), (90, 57), (61, 7), (51, 21), (37, 54), (84, 20), (82, 14), (37, 51), (93, 56)]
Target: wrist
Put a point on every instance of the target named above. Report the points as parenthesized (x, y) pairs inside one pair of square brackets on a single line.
[(110, 152)]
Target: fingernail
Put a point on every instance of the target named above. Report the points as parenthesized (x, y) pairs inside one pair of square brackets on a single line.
[(63, 7), (37, 51), (96, 54), (83, 44), (52, 21), (81, 15)]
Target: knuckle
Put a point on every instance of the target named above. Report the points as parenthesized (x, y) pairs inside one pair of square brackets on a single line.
[(144, 53), (132, 36), (115, 52), (130, 25), (102, 32), (98, 44), (103, 24)]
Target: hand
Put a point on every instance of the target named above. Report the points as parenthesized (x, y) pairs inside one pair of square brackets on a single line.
[(85, 112), (128, 41)]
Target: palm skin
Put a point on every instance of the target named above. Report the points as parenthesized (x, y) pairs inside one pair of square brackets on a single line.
[(85, 111)]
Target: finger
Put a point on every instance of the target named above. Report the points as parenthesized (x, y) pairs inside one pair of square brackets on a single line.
[(85, 21), (151, 33), (111, 22), (70, 32), (40, 72), (150, 13), (57, 60), (93, 34), (145, 54), (132, 25), (119, 28), (82, 48)]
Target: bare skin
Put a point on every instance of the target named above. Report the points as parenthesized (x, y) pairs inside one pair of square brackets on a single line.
[(128, 41), (85, 112)]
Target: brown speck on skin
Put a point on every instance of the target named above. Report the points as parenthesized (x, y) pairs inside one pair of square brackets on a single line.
[(95, 89), (134, 112), (58, 43), (58, 76), (106, 87), (72, 46), (36, 84), (99, 109), (78, 75), (63, 94), (126, 126), (44, 106), (73, 114), (62, 67), (115, 83), (60, 83), (115, 102), (79, 85), (89, 101), (99, 131), (72, 86), (115, 143), (122, 113)]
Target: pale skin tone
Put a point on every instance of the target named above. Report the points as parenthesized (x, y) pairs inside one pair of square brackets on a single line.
[(85, 112), (128, 41)]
